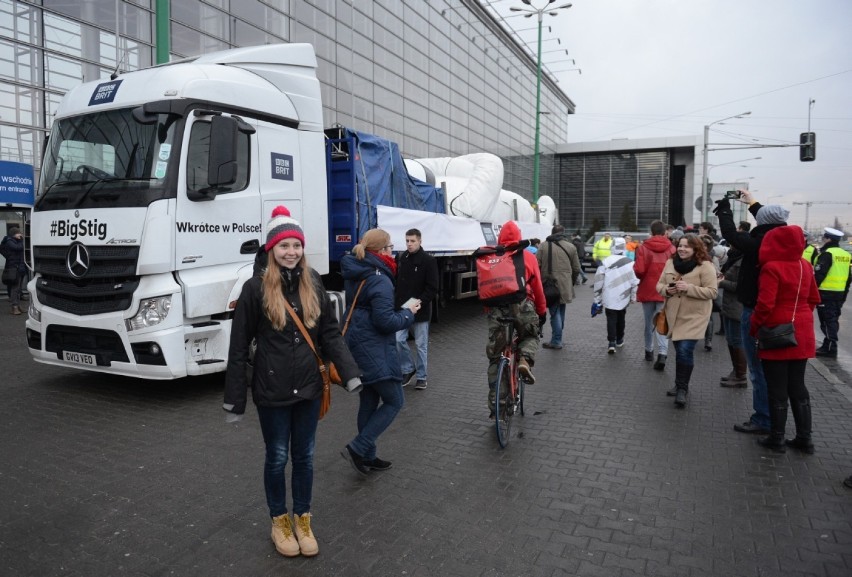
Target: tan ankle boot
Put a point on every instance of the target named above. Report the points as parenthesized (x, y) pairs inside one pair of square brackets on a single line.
[(16, 310), (307, 541), (282, 536), (526, 372)]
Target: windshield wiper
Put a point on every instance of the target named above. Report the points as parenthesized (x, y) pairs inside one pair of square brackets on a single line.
[(109, 179)]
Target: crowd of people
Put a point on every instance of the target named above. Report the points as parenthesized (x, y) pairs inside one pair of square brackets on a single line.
[(763, 281)]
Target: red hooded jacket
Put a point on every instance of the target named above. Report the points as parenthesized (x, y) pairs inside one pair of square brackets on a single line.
[(510, 234), (651, 257), (781, 267)]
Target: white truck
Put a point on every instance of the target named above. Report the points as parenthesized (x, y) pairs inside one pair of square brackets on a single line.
[(152, 203)]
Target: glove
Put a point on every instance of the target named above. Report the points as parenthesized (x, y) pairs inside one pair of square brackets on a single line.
[(722, 206), (541, 320)]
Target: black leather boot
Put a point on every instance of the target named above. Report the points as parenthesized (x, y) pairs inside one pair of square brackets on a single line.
[(660, 364), (830, 352), (801, 409), (778, 422), (823, 347), (682, 375)]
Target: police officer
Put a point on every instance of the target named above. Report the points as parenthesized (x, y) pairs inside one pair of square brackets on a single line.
[(831, 272), (810, 251)]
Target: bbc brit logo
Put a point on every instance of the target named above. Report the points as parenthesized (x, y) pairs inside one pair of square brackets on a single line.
[(282, 166)]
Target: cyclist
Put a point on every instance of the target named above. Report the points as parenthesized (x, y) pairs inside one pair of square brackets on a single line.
[(529, 313)]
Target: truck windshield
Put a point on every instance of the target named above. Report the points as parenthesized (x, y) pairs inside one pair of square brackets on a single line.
[(106, 159)]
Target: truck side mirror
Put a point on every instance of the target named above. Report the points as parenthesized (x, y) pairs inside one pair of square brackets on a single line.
[(222, 158)]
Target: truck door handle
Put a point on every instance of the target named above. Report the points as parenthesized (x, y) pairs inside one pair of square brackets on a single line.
[(250, 247)]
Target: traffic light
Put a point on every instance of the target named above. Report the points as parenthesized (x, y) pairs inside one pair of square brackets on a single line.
[(807, 146)]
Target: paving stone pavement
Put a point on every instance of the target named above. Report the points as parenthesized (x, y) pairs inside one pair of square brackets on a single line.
[(103, 476)]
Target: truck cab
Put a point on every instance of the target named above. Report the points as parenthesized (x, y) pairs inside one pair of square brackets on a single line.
[(152, 201)]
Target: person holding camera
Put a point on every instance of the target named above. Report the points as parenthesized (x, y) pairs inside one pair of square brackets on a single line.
[(286, 383), (767, 217)]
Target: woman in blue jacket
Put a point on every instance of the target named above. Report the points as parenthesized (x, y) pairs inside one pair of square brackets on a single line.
[(369, 272), (286, 384)]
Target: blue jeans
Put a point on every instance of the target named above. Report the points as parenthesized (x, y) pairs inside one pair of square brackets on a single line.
[(652, 337), (285, 429), (557, 323), (683, 352), (373, 418), (421, 342), (733, 332), (759, 395)]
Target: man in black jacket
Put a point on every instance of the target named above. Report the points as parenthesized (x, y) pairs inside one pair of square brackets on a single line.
[(416, 277), (767, 217), (581, 254)]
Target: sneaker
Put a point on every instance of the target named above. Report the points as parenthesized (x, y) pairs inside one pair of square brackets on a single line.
[(407, 378), (378, 464), (549, 345), (420, 385), (354, 459), (619, 343), (611, 349), (649, 355), (307, 542), (526, 372), (282, 536)]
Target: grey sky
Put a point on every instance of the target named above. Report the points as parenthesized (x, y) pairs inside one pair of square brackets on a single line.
[(668, 67)]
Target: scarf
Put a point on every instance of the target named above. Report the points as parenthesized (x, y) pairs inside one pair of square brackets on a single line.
[(388, 260), (683, 266)]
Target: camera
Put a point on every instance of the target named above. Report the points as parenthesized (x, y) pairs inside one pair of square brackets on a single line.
[(733, 194)]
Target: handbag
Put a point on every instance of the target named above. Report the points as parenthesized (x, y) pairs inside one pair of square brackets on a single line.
[(661, 323), (784, 335), (10, 275)]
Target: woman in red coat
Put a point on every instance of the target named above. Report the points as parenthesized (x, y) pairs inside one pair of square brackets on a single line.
[(787, 292)]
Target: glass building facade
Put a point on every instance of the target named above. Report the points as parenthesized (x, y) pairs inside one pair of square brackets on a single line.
[(439, 77), (624, 185)]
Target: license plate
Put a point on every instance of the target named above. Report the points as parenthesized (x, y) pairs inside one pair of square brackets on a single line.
[(79, 358)]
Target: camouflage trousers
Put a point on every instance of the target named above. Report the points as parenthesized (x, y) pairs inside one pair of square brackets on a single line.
[(526, 328)]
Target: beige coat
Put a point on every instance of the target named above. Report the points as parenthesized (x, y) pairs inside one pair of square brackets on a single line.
[(688, 312), (565, 266)]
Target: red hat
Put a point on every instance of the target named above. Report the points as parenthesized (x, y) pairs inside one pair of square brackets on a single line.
[(282, 226)]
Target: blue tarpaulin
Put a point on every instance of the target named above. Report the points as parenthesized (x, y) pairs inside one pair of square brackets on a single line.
[(366, 171)]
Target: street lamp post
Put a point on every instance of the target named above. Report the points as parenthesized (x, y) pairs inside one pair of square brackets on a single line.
[(539, 12), (704, 199)]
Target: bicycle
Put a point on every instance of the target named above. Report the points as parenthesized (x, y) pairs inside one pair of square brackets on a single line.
[(510, 385)]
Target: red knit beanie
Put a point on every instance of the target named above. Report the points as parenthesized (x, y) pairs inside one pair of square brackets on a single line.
[(282, 226)]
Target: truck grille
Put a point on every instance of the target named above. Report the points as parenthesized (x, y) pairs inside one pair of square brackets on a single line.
[(107, 286)]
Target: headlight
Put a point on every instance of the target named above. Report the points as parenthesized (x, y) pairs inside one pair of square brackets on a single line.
[(151, 312), (35, 314)]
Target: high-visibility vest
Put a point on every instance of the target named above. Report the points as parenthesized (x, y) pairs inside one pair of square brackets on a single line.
[(838, 274), (808, 255), (602, 249)]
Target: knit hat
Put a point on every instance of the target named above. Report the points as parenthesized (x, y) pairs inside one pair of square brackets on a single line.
[(772, 214), (832, 233), (618, 245), (282, 226), (676, 235)]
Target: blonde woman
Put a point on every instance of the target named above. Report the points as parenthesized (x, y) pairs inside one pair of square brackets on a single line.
[(286, 383), (369, 273)]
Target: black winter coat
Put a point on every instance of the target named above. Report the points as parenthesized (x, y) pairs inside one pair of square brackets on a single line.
[(749, 244), (285, 368), (416, 277)]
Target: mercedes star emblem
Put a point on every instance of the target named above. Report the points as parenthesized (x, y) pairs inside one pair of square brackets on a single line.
[(77, 260)]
